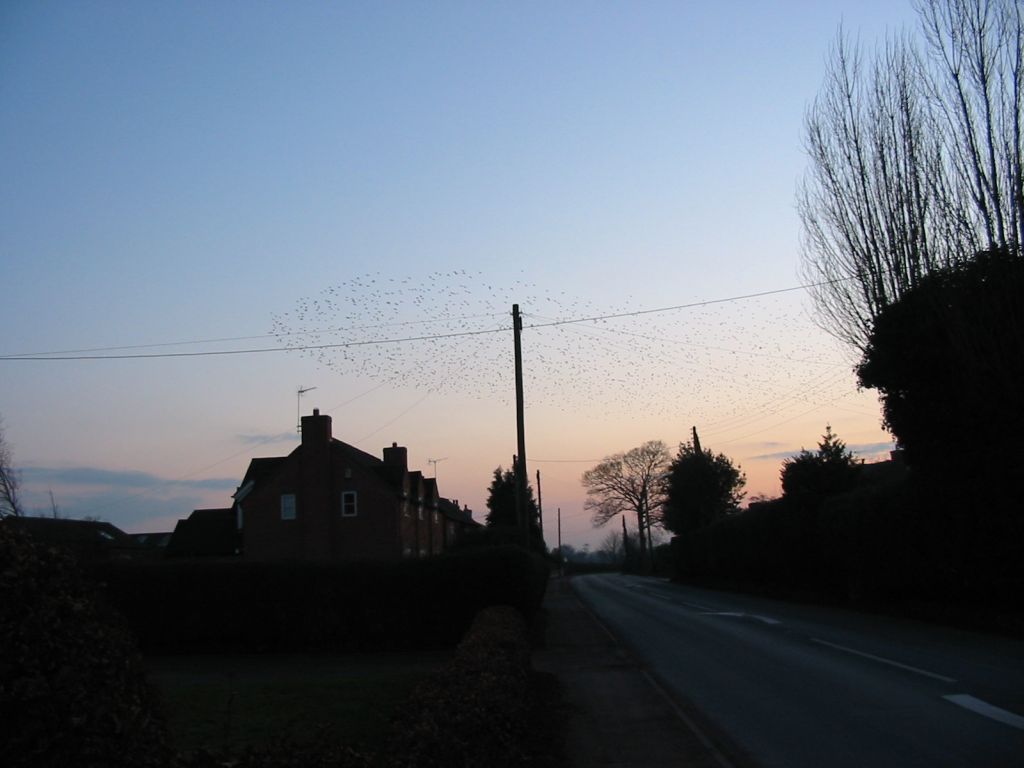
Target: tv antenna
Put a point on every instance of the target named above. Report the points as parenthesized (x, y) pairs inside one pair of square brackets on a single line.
[(298, 405), (435, 462)]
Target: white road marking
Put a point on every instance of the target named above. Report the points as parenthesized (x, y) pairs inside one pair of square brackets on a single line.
[(739, 615), (695, 729), (691, 605), (883, 660), (652, 593), (988, 710)]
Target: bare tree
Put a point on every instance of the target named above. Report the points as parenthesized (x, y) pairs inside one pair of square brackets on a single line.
[(9, 480), (915, 159), (629, 482), (612, 547)]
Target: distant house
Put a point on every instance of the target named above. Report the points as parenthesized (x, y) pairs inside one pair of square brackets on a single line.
[(328, 500), (153, 542), (88, 540), (206, 533), (892, 470)]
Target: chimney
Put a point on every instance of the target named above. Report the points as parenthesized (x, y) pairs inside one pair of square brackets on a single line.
[(316, 430), (397, 456)]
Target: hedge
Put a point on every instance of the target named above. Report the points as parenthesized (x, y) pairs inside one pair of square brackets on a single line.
[(877, 544), (485, 708), (191, 606), (72, 689)]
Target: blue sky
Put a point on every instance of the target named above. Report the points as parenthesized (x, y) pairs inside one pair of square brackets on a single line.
[(175, 172)]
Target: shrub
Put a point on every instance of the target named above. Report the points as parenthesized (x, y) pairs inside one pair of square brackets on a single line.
[(268, 606), (72, 691), (481, 709)]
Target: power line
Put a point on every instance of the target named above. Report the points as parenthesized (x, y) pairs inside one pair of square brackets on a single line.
[(262, 350), (38, 356), (282, 334), (693, 305)]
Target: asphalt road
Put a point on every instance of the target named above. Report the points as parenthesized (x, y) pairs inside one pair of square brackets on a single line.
[(788, 685)]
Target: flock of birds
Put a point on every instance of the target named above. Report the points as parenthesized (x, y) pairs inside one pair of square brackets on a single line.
[(451, 332)]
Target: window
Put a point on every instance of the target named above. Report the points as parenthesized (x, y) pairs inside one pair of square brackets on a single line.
[(348, 503), (287, 506)]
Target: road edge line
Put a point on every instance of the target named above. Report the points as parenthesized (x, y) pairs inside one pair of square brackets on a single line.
[(983, 708)]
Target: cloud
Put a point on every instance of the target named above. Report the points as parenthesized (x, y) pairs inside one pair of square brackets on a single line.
[(862, 450), (779, 456), (133, 501), (133, 514), (871, 449), (92, 477), (280, 437)]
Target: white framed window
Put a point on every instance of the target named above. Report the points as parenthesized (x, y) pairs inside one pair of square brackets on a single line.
[(348, 504), (287, 506)]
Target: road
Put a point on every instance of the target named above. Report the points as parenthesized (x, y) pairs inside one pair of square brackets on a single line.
[(790, 685)]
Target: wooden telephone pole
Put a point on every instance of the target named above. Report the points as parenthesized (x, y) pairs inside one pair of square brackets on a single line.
[(520, 468), (540, 509)]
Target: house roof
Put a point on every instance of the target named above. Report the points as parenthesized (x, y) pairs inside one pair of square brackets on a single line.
[(206, 533), (89, 539), (452, 511), (151, 540), (261, 469)]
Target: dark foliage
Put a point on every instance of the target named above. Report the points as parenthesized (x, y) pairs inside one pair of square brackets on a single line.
[(948, 360), (324, 753), (501, 509), (926, 549), (487, 708), (208, 606), (701, 487), (72, 691), (829, 470)]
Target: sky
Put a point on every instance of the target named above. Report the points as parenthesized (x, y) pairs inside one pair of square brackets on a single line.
[(360, 192)]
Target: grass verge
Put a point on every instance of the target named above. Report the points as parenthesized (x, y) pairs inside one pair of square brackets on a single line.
[(233, 702)]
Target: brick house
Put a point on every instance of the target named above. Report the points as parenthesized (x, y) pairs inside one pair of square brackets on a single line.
[(88, 540), (328, 500)]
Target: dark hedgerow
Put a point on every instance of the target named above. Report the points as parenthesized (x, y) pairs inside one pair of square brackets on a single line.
[(187, 606), (72, 691), (488, 707)]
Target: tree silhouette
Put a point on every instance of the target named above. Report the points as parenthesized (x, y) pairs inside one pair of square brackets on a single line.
[(501, 506), (916, 159), (831, 469), (629, 482), (948, 361), (10, 503), (701, 487)]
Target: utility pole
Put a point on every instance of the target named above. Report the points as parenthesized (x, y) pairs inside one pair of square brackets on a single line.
[(625, 544), (515, 496), (560, 569), (521, 469), (540, 509)]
